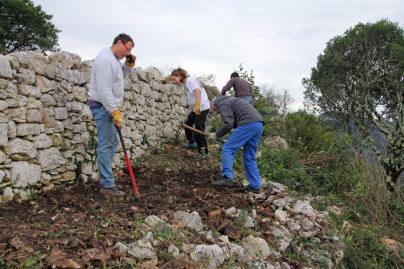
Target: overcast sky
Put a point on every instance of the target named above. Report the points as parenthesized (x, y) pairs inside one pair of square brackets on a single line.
[(279, 40)]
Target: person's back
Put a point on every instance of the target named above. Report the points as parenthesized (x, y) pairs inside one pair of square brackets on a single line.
[(235, 112), (242, 88), (248, 124)]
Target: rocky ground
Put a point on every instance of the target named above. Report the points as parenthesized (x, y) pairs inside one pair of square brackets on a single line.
[(181, 221)]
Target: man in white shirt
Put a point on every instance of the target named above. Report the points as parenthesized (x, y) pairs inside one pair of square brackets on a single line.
[(199, 103), (105, 98)]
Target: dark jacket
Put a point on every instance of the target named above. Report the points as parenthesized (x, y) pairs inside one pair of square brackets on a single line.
[(241, 87), (234, 112)]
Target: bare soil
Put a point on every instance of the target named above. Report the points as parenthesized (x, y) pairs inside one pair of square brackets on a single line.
[(76, 219)]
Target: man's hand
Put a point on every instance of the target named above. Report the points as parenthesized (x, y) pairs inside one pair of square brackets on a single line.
[(130, 60), (212, 136), (117, 118), (197, 107)]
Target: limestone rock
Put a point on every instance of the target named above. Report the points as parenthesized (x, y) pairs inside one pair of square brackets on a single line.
[(29, 91), (282, 202), (141, 250), (152, 221), (255, 248), (28, 129), (281, 215), (5, 67), (248, 222), (8, 194), (233, 251), (277, 143), (232, 212), (304, 208), (34, 116), (212, 254), (283, 236), (153, 73), (50, 159), (45, 85), (3, 134), (190, 220), (67, 59), (26, 76), (173, 250), (293, 225), (2, 160), (42, 141), (61, 113), (20, 149), (24, 173)]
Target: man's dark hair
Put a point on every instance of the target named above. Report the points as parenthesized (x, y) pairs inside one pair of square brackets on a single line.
[(124, 38), (234, 75)]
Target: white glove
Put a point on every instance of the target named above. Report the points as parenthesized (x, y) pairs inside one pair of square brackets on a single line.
[(212, 136)]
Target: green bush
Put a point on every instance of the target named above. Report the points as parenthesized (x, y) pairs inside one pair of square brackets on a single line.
[(364, 250), (284, 167)]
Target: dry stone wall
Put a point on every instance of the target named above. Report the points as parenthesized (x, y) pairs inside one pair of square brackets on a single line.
[(47, 132)]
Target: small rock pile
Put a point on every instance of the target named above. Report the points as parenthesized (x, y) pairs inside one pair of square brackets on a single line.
[(47, 133), (278, 229)]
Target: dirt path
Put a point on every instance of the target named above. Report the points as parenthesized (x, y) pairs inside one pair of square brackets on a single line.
[(76, 218)]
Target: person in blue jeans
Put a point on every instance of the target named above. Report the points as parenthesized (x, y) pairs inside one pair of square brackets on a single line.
[(105, 97), (248, 127)]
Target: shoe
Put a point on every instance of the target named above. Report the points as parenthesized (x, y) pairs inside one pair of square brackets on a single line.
[(251, 189), (191, 146), (225, 182), (112, 192), (119, 187)]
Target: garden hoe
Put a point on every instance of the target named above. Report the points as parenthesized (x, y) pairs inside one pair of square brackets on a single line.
[(200, 132), (128, 165)]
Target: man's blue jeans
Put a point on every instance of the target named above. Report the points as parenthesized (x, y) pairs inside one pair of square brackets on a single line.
[(107, 144), (248, 137)]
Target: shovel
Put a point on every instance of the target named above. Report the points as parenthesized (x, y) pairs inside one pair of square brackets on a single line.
[(128, 165)]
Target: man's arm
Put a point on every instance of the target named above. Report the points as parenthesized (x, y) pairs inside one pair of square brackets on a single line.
[(103, 75), (126, 70), (228, 86), (227, 120)]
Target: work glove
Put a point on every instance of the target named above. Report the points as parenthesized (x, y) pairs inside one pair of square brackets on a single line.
[(212, 136), (197, 107), (117, 118), (130, 60)]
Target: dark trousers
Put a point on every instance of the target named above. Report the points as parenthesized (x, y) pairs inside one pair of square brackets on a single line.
[(199, 121)]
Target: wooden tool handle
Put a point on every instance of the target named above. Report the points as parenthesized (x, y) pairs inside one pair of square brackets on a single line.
[(194, 130)]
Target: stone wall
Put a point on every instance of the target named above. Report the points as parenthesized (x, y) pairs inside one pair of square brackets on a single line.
[(47, 134)]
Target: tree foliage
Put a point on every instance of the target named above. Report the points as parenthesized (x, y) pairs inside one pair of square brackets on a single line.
[(24, 26), (360, 77)]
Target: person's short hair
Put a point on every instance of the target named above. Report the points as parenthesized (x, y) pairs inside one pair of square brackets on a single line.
[(124, 38), (234, 75), (179, 72)]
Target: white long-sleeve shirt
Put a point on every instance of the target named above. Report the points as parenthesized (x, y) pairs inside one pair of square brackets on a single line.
[(107, 80)]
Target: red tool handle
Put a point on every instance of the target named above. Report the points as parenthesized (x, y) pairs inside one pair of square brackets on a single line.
[(128, 165)]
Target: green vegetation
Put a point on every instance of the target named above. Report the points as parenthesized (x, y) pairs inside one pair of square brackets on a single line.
[(323, 162), (326, 163), (359, 79), (25, 26)]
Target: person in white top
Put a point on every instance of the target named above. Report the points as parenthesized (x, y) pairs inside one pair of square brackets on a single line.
[(199, 103), (105, 97)]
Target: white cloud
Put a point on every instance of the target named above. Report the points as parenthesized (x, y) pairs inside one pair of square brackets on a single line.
[(280, 41)]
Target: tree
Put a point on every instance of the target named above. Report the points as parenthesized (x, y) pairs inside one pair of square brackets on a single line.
[(281, 101), (24, 26), (360, 77)]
